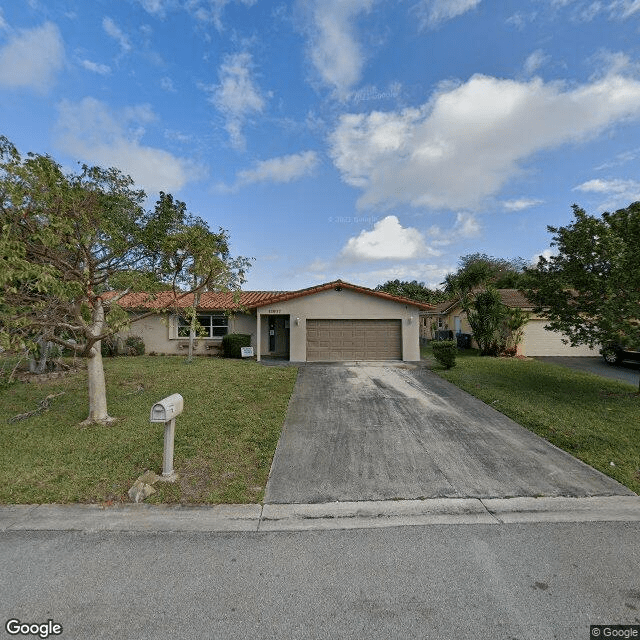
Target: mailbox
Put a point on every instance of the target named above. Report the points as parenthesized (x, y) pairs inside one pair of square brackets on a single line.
[(167, 409)]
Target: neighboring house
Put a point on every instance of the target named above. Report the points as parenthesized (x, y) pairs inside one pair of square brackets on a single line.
[(536, 340), (335, 321)]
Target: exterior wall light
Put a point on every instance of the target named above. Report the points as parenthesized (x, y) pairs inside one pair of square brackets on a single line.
[(297, 321)]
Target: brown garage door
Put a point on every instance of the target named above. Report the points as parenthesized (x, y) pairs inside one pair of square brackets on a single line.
[(341, 340)]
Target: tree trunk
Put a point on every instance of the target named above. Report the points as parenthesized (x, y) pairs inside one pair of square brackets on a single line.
[(97, 388), (95, 368), (40, 366)]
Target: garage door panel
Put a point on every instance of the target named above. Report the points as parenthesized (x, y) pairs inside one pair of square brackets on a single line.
[(537, 341), (341, 340)]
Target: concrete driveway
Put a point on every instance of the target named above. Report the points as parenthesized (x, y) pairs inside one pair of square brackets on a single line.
[(625, 371), (385, 432)]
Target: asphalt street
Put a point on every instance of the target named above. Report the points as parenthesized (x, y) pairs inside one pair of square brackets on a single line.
[(505, 582), (391, 432)]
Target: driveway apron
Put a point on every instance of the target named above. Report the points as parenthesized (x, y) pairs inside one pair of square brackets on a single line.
[(370, 432)]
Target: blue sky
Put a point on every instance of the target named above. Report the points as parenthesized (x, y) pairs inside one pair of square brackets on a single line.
[(366, 140)]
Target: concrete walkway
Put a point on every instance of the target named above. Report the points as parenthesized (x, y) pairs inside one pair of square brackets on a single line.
[(365, 432), (303, 517)]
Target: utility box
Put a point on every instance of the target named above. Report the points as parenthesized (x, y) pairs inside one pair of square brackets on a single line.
[(167, 409)]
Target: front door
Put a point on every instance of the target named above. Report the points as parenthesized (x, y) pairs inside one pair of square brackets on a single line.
[(279, 335)]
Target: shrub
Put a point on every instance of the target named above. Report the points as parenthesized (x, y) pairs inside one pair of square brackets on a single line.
[(232, 343), (444, 351), (134, 346), (109, 347)]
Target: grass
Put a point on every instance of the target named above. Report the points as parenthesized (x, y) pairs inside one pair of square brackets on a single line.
[(224, 442), (593, 418)]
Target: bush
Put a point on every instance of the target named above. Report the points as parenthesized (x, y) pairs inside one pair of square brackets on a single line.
[(112, 346), (134, 346), (232, 343), (444, 351), (109, 347)]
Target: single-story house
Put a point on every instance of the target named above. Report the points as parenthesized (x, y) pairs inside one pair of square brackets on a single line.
[(536, 340), (335, 321)]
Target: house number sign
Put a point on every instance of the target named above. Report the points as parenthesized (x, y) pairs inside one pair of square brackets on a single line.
[(274, 311)]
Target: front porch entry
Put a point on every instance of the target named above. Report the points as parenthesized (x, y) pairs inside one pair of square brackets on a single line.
[(278, 331)]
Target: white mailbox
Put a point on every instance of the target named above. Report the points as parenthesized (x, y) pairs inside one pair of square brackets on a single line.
[(167, 409)]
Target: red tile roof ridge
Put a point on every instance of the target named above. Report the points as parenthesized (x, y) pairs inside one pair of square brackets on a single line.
[(289, 295)]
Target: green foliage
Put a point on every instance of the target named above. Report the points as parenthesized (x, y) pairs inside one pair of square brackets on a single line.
[(134, 346), (479, 269), (444, 351), (590, 290), (233, 342), (496, 328), (413, 290), (66, 239)]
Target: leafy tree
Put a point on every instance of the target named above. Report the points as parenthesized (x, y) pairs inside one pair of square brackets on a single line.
[(413, 290), (590, 290), (496, 328), (66, 239), (479, 269)]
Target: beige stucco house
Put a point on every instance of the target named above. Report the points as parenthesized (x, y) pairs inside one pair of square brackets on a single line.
[(335, 321), (536, 340)]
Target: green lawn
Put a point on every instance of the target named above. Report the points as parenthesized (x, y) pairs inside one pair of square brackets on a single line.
[(224, 442), (595, 419)]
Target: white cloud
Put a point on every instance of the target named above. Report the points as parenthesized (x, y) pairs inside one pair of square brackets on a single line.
[(387, 240), (334, 50), (89, 130), (547, 253), (467, 226), (282, 169), (167, 84), (114, 31), (237, 96), (32, 58), (466, 142), (625, 8), (157, 8), (520, 204), (619, 193), (95, 67), (211, 10), (435, 12), (534, 61)]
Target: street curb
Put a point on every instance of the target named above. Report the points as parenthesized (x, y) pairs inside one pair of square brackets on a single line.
[(324, 516)]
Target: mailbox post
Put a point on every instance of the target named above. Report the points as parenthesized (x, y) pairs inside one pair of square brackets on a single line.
[(166, 411)]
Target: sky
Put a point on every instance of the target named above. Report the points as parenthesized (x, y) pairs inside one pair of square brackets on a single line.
[(366, 140)]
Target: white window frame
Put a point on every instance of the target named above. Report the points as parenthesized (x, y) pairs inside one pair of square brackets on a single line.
[(217, 326)]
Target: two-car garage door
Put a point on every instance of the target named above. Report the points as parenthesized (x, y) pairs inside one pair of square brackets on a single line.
[(537, 341), (344, 340)]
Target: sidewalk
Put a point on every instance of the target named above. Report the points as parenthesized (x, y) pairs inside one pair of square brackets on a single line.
[(304, 517)]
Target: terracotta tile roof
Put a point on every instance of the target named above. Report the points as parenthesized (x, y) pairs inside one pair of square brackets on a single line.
[(289, 295), (443, 307), (514, 298), (209, 300), (510, 297)]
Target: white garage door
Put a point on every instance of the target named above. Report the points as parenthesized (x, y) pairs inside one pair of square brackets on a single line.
[(344, 340), (537, 341)]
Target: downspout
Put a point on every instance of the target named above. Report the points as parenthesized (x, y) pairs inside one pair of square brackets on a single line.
[(258, 333)]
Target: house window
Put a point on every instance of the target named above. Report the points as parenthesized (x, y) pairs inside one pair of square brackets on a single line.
[(209, 326)]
